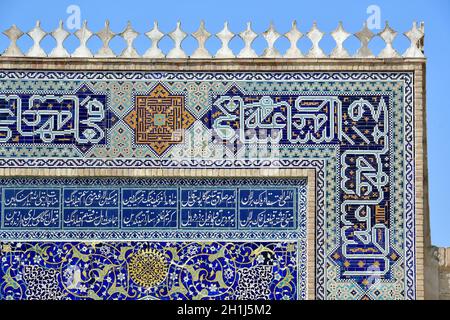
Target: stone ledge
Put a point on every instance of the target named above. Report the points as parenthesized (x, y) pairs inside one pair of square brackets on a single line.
[(259, 64)]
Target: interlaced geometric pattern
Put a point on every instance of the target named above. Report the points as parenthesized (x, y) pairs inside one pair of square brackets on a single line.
[(159, 119)]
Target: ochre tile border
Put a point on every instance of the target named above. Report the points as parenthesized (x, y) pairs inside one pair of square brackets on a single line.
[(415, 65)]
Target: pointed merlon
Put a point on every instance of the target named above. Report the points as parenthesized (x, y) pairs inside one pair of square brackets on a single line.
[(177, 37), (60, 35), (315, 35), (201, 35), (225, 36), (294, 35), (155, 36), (271, 36), (364, 36), (36, 34), (13, 34), (105, 35), (129, 35), (248, 36), (340, 35), (388, 35), (83, 35)]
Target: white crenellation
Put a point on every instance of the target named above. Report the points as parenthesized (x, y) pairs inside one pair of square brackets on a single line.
[(388, 35), (177, 36), (59, 34), (83, 34), (201, 35), (271, 36), (364, 36), (105, 35), (13, 34), (293, 36), (315, 35), (225, 36), (36, 34), (415, 36), (340, 35), (248, 36), (155, 35), (129, 34)]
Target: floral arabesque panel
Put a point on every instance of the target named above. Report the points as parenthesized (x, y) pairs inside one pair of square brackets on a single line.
[(354, 129)]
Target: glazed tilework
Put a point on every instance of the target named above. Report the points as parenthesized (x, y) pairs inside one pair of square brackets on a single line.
[(113, 270), (136, 208), (354, 129)]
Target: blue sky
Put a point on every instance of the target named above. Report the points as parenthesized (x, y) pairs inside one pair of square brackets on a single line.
[(400, 13)]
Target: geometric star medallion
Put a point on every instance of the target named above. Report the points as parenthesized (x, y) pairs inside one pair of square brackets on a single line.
[(148, 267), (159, 119)]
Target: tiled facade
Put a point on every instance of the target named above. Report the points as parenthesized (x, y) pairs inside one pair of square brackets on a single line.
[(294, 181)]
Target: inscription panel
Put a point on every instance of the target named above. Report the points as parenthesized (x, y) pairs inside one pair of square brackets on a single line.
[(127, 205)]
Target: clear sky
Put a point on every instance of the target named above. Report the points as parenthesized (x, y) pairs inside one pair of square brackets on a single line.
[(400, 13)]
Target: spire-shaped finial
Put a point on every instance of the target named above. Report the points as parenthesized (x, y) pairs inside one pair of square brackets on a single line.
[(315, 35), (59, 34), (416, 37), (225, 36), (201, 35), (364, 36), (177, 36), (271, 36), (36, 34), (83, 34), (388, 35), (129, 34), (248, 36), (293, 36), (105, 36), (155, 36), (13, 34), (340, 35)]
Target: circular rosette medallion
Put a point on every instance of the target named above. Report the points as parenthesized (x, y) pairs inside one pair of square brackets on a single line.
[(148, 267)]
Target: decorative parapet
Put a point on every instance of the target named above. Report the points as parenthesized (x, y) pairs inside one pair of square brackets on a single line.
[(37, 34)]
